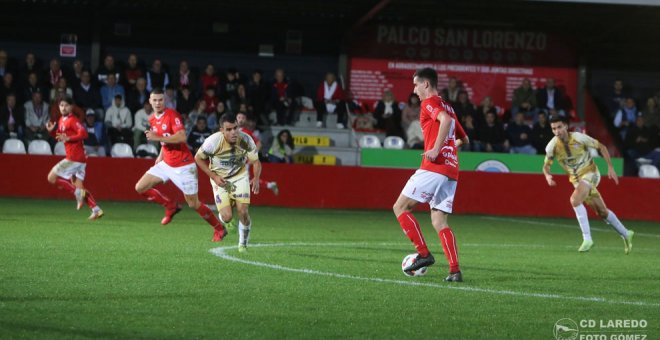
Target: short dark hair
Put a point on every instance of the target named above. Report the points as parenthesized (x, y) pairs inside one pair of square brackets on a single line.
[(428, 74), (557, 119), (68, 100), (157, 90), (228, 118)]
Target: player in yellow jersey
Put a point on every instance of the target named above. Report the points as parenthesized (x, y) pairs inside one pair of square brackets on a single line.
[(572, 151), (223, 157)]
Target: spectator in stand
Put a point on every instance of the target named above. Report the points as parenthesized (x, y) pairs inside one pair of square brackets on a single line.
[(141, 124), (259, 94), (282, 98), (463, 106), (119, 121), (55, 113), (12, 119), (54, 73), (541, 133), (519, 135), (62, 86), (651, 113), (110, 90), (4, 64), (185, 102), (133, 72), (282, 149), (185, 77), (626, 116), (524, 99), (214, 118), (551, 98), (8, 86), (210, 99), (450, 93), (415, 135), (198, 111), (198, 134), (209, 78), (616, 99), (641, 140), (107, 69), (470, 129), (241, 99), (30, 66), (487, 106), (75, 74), (330, 100), (410, 112), (87, 95), (138, 95), (36, 117), (96, 140), (157, 76), (31, 86), (492, 135), (229, 89), (170, 97), (388, 115)]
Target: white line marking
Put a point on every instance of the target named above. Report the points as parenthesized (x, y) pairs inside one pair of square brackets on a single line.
[(221, 252), (504, 219)]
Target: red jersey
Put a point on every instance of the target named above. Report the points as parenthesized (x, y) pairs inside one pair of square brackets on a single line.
[(447, 161), (251, 134), (167, 124), (74, 148)]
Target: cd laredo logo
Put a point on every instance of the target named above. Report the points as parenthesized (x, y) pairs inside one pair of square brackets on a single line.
[(566, 329)]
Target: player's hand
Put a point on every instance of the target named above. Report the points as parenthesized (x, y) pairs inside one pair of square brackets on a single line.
[(431, 155), (151, 136), (49, 126), (612, 174), (551, 182), (254, 182), (218, 180), (62, 137)]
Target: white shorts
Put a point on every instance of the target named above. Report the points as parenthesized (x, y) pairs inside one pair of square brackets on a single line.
[(67, 169), (184, 177), (433, 188)]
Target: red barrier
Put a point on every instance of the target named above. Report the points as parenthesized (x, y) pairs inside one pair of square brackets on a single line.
[(311, 186)]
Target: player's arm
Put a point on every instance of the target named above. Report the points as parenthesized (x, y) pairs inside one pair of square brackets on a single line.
[(445, 124), (461, 136), (202, 161), (546, 171), (254, 182), (177, 138), (80, 134), (610, 168)]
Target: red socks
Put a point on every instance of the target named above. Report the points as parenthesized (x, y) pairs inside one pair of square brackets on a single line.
[(208, 215), (449, 246), (156, 196), (65, 185), (91, 202), (411, 228)]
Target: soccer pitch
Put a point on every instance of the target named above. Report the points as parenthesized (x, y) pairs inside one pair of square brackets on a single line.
[(311, 274)]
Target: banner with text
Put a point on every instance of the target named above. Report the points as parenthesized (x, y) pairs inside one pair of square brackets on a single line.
[(370, 77)]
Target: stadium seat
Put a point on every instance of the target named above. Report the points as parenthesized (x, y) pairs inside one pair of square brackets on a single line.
[(13, 145), (59, 149), (648, 171), (121, 150), (39, 147), (394, 142), (369, 141), (146, 151)]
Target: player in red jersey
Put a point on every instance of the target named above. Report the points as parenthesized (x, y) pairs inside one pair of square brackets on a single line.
[(435, 181), (176, 163), (69, 173)]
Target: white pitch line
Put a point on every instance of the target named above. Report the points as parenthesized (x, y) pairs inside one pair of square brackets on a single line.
[(550, 224), (221, 252)]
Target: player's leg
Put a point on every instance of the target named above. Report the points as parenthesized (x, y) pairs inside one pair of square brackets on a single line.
[(157, 174), (207, 214), (577, 199), (597, 203), (244, 225), (270, 185), (83, 194), (60, 176), (441, 206)]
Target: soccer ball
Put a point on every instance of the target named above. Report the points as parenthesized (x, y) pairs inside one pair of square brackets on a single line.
[(408, 260)]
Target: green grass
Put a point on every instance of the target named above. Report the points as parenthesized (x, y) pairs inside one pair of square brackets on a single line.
[(125, 276)]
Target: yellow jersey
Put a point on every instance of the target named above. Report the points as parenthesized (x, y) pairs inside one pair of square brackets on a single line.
[(574, 156), (228, 160)]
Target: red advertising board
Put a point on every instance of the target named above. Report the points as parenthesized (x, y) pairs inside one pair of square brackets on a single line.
[(370, 77)]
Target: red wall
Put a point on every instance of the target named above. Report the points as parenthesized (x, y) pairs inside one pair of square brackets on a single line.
[(345, 187)]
